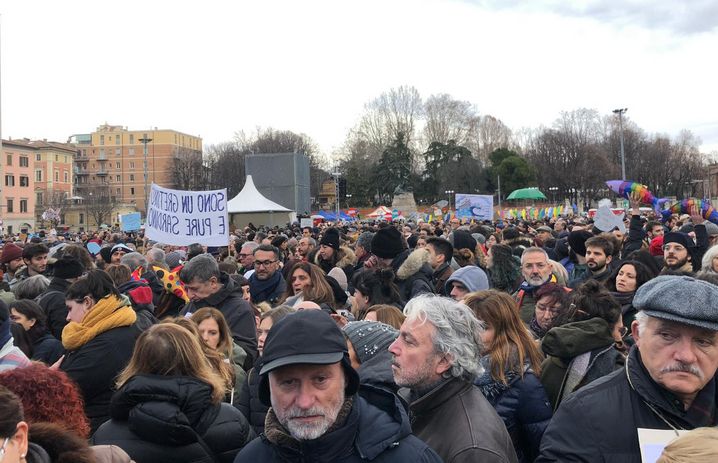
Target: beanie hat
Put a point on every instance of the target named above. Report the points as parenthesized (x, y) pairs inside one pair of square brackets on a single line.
[(511, 233), (370, 338), (387, 243), (656, 246), (472, 277), (10, 252), (481, 239), (106, 254), (711, 228), (121, 247), (173, 259), (340, 277), (68, 267), (463, 240), (577, 241), (678, 237), (308, 337), (331, 238)]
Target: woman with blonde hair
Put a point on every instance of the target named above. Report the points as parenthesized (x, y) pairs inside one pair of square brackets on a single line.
[(307, 282), (384, 313), (512, 365), (215, 333), (168, 405), (697, 446)]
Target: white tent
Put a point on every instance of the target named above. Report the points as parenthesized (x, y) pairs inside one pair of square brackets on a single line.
[(251, 206)]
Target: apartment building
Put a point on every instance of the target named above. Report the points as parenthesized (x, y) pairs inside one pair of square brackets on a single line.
[(17, 196)]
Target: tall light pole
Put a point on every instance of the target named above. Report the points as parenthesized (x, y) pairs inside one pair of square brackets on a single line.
[(623, 154), (336, 175), (450, 192), (144, 141)]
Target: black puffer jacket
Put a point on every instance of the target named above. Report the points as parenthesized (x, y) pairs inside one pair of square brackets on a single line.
[(157, 419), (249, 404), (377, 429), (47, 349), (238, 313)]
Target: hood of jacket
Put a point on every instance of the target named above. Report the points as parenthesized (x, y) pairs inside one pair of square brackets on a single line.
[(166, 410), (377, 371), (346, 258), (229, 288), (410, 262), (140, 295), (573, 339)]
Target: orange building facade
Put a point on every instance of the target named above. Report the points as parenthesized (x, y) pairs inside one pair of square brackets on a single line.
[(17, 198)]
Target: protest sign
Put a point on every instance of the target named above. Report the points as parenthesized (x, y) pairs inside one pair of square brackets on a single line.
[(653, 441), (130, 222), (479, 207), (184, 217)]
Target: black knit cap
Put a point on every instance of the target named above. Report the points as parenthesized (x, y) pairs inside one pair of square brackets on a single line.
[(464, 240), (331, 238), (387, 243), (577, 241), (68, 267), (304, 337), (678, 237)]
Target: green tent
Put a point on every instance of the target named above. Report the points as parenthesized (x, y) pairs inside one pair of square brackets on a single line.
[(527, 193)]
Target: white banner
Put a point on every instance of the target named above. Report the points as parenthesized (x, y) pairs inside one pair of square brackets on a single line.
[(184, 217), (479, 207)]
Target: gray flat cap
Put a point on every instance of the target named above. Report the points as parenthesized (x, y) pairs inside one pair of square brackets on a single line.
[(680, 299)]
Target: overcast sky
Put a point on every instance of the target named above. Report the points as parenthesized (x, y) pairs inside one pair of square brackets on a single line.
[(215, 67)]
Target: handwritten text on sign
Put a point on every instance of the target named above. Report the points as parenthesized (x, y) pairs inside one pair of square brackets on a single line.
[(184, 217)]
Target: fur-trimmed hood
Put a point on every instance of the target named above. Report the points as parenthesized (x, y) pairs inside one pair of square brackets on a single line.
[(346, 258), (413, 263)]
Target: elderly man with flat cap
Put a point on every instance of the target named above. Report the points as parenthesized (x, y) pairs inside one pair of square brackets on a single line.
[(318, 412), (669, 379)]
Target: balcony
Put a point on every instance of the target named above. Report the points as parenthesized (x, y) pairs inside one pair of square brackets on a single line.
[(101, 172), (79, 171)]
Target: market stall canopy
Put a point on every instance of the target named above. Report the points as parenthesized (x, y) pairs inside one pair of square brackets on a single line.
[(380, 212), (251, 200), (527, 193)]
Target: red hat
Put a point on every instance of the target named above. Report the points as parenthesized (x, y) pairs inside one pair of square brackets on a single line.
[(10, 252), (656, 246)]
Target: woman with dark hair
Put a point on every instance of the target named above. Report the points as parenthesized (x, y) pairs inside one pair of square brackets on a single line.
[(168, 405), (584, 343), (306, 282), (623, 284), (29, 314), (99, 340), (373, 287), (249, 404), (511, 362), (551, 302), (504, 269)]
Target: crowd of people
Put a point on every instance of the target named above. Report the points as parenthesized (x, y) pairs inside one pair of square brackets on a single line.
[(458, 341)]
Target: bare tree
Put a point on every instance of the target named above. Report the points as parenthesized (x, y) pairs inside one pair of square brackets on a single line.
[(491, 134), (100, 204), (449, 119), (390, 114), (188, 172)]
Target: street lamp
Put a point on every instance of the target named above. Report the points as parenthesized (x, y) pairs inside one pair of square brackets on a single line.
[(553, 190), (348, 198), (623, 155), (144, 141), (449, 192)]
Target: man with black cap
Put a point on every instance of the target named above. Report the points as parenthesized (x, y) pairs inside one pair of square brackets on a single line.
[(66, 270), (678, 248), (411, 268), (318, 412), (669, 379), (331, 254)]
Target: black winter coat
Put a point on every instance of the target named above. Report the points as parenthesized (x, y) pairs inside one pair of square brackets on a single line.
[(523, 406), (95, 366), (238, 313), (377, 429), (413, 274), (249, 404), (47, 349), (598, 423), (52, 302), (158, 419), (141, 300)]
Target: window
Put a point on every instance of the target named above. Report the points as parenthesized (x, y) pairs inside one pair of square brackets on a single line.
[(119, 191), (102, 139), (117, 139), (132, 191), (131, 151), (38, 175), (24, 180), (57, 158), (9, 205), (84, 153), (24, 161), (118, 178), (9, 159), (67, 177), (132, 165), (82, 217), (57, 175), (132, 177), (117, 165), (23, 205), (9, 180), (132, 139), (38, 198), (102, 153), (38, 157), (118, 151)]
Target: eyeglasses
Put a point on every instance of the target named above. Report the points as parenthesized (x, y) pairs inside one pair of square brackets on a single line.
[(264, 263), (2, 449), (623, 331)]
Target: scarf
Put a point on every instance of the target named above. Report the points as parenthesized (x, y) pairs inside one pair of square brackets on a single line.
[(527, 288), (278, 435), (108, 313), (492, 388), (536, 328), (263, 290), (625, 299)]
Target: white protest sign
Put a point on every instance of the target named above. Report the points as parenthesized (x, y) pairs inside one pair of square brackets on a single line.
[(653, 441), (184, 217)]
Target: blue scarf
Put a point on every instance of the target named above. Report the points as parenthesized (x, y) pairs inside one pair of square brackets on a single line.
[(269, 290)]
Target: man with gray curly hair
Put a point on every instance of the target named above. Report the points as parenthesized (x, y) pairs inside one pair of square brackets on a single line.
[(436, 357)]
